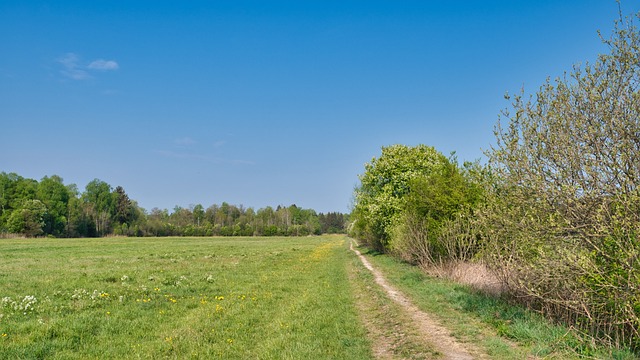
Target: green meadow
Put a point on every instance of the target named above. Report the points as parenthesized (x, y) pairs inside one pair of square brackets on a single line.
[(239, 298), (266, 298)]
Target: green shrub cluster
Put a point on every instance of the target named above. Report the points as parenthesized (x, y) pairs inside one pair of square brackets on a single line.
[(411, 198), (556, 211)]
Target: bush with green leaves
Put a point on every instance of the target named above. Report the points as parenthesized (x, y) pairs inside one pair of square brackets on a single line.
[(436, 219), (383, 187), (563, 216)]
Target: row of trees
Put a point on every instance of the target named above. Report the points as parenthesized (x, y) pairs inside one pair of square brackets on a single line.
[(231, 220), (556, 211), (51, 208)]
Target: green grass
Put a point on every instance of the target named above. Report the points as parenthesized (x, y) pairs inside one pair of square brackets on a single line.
[(236, 298), (503, 330), (262, 298), (389, 327)]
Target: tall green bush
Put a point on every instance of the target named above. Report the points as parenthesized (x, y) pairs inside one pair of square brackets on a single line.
[(436, 219), (563, 215), (383, 188)]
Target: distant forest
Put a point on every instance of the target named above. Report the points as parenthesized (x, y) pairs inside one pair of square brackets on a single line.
[(51, 208)]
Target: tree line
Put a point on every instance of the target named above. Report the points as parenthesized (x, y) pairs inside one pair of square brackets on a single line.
[(50, 208), (555, 213)]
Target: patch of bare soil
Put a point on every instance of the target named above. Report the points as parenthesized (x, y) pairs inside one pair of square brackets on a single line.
[(429, 330), (390, 330)]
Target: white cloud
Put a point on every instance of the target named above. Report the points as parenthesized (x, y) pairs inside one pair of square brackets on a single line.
[(71, 68), (74, 69), (101, 64)]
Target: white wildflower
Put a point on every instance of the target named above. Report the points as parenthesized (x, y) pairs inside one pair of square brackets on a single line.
[(79, 294)]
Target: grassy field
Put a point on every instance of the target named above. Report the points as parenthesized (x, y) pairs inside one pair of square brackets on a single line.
[(267, 298), (237, 298)]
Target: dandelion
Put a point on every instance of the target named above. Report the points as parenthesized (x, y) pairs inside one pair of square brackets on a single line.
[(229, 341), (4, 335), (108, 312)]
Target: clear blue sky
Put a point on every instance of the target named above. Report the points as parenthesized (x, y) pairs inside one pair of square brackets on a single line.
[(267, 102)]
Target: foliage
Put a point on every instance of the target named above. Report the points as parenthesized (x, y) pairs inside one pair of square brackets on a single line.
[(28, 219), (418, 204), (436, 217), (563, 215), (101, 210), (383, 186), (55, 197)]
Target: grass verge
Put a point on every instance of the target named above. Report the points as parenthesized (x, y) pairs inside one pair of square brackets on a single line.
[(503, 330)]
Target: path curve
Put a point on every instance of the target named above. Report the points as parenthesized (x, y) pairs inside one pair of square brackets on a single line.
[(432, 331)]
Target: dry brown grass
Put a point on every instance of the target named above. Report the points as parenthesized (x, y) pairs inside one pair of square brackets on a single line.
[(11, 236), (475, 274)]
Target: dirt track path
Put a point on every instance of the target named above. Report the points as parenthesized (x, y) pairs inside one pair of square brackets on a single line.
[(430, 330)]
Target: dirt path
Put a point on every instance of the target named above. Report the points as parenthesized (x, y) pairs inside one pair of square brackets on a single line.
[(429, 329)]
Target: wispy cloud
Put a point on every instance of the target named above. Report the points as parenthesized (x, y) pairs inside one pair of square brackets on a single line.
[(71, 68), (74, 68), (104, 65)]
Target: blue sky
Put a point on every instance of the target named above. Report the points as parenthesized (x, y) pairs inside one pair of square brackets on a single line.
[(267, 102)]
